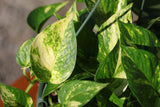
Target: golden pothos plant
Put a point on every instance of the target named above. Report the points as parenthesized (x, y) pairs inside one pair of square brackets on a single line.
[(93, 57)]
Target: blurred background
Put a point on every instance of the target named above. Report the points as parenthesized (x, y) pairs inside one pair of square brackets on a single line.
[(14, 31)]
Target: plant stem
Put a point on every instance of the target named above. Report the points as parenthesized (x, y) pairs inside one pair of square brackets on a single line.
[(29, 87), (31, 83), (24, 73), (88, 17)]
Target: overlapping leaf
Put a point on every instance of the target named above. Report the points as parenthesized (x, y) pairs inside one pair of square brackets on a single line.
[(39, 16), (23, 54), (142, 74), (53, 87), (108, 38), (106, 98), (135, 35), (77, 93), (109, 32), (53, 52), (13, 97), (108, 64)]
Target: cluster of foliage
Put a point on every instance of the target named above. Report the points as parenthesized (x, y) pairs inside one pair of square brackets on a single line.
[(105, 61)]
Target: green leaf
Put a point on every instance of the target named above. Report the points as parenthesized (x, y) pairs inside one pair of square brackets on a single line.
[(58, 16), (107, 64), (73, 10), (78, 93), (105, 9), (40, 15), (109, 32), (110, 69), (51, 88), (135, 35), (109, 54), (53, 52), (82, 11), (142, 75), (152, 22), (106, 98), (13, 97), (23, 54)]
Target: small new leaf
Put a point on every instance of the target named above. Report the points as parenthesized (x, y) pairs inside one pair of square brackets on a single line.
[(23, 54)]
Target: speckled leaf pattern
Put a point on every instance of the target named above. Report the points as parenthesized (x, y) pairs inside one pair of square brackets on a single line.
[(107, 67), (135, 35), (73, 10), (108, 40), (142, 70), (40, 15), (110, 31), (53, 87), (23, 54), (13, 97), (53, 52), (77, 93)]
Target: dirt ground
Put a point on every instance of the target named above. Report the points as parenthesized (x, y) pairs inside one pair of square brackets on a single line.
[(14, 31)]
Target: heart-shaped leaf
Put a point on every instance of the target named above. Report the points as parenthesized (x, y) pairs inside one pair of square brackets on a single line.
[(53, 52), (40, 15), (143, 75), (23, 54), (77, 93), (13, 97)]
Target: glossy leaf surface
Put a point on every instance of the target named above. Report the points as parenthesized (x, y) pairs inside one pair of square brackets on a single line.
[(40, 15), (108, 64), (109, 32), (23, 54), (77, 93), (109, 46), (135, 35), (53, 87), (143, 75), (13, 97), (53, 52)]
